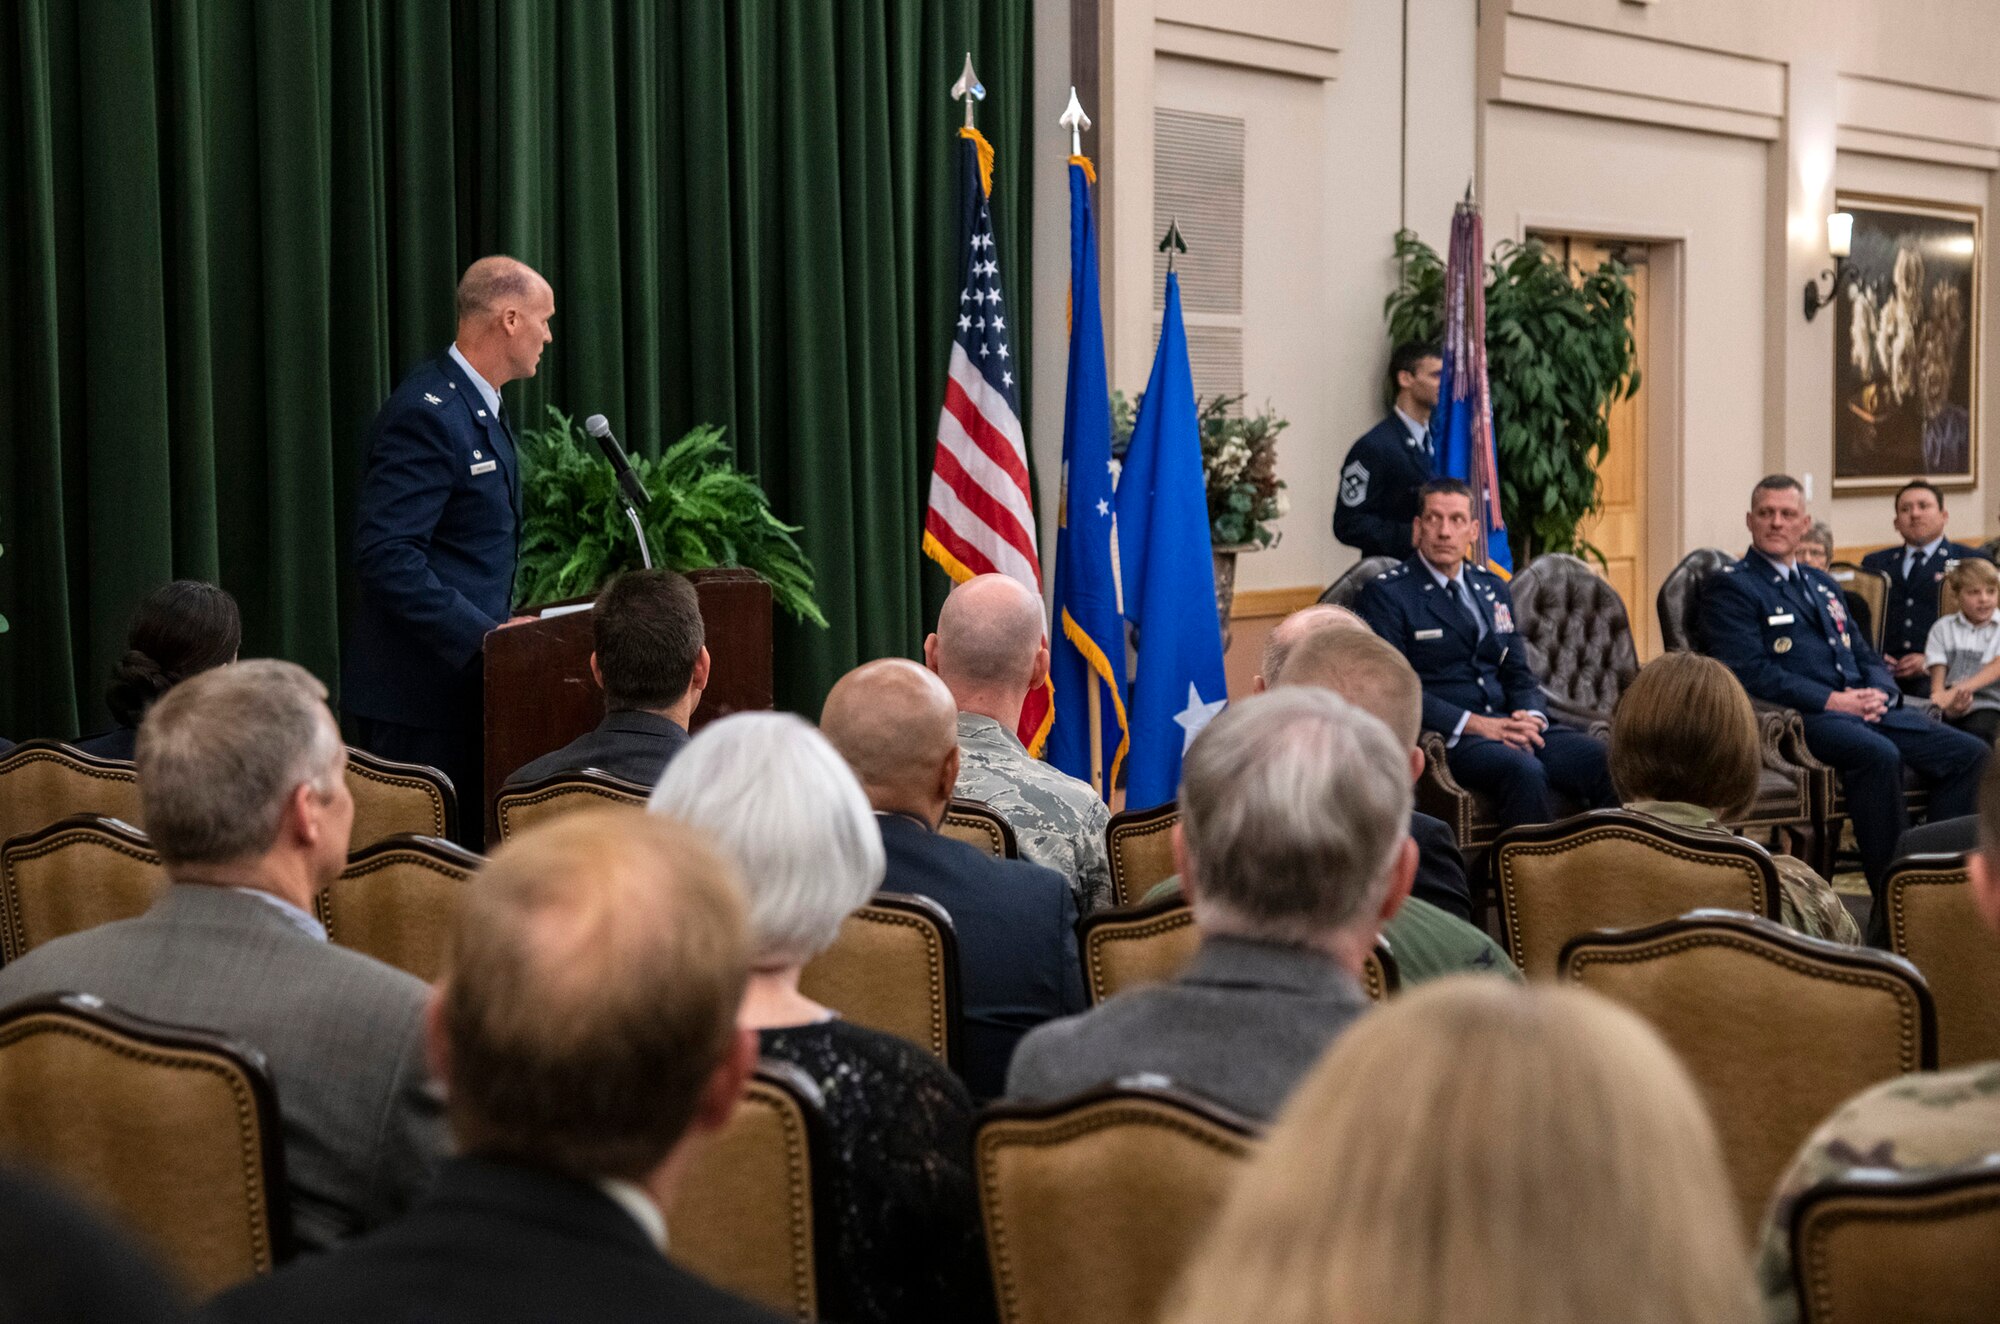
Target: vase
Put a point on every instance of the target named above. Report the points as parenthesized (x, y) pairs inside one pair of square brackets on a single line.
[(1225, 582)]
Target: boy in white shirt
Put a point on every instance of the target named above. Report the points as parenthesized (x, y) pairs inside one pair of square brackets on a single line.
[(1963, 651)]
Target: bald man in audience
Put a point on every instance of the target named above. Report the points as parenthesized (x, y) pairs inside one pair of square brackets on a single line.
[(1292, 848), (990, 650), (242, 783), (1427, 938), (1920, 1125), (896, 725), (587, 1035)]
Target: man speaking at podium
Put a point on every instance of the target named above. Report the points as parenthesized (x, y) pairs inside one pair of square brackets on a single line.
[(437, 528)]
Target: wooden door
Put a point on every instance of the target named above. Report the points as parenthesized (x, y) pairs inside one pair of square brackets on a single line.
[(1618, 530)]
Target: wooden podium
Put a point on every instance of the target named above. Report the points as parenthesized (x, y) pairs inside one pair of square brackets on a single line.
[(540, 696)]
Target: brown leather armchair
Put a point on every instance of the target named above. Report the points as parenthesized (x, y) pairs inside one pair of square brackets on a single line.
[(1579, 638), (1795, 791)]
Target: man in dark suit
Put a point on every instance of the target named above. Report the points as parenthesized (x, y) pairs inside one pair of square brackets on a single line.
[(1292, 851), (1389, 462), (587, 1034), (437, 529), (1454, 621), (61, 1264), (1783, 629), (241, 778), (896, 724), (1916, 576), (652, 666)]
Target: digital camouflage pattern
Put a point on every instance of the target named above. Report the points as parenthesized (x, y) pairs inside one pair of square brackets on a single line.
[(1920, 1125), (1806, 902), (1058, 821)]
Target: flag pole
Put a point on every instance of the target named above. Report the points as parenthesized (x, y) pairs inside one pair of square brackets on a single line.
[(1076, 121), (968, 89)]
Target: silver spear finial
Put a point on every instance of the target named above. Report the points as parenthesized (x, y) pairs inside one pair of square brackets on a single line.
[(968, 89), (1076, 122)]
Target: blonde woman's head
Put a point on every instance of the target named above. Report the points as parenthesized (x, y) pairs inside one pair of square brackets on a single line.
[(1480, 1151)]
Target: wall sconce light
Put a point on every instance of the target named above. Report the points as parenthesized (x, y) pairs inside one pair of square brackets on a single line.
[(1839, 243)]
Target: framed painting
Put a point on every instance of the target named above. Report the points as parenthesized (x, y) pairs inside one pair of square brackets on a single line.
[(1906, 345)]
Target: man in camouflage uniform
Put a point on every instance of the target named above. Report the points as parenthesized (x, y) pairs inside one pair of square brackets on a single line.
[(990, 652), (1919, 1124)]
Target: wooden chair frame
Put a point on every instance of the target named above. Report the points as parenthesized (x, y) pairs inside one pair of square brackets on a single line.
[(588, 781), (1768, 935), (363, 766), (973, 816), (1545, 838), (1133, 825), (121, 771), (819, 1293), (115, 834), (947, 1018), (1066, 1119), (257, 1098), (1875, 1197)]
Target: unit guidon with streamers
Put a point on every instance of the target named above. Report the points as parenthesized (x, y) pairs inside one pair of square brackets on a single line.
[(981, 515)]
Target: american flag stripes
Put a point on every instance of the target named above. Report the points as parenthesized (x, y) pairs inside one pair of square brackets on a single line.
[(981, 516)]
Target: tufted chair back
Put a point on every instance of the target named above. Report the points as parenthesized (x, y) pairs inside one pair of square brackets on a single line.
[(1680, 598), (1579, 637), (1343, 591)]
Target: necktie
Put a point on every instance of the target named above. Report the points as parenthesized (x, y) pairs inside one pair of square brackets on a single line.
[(1910, 559), (1458, 599)]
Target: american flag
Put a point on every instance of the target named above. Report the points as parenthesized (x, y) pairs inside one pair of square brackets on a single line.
[(981, 518)]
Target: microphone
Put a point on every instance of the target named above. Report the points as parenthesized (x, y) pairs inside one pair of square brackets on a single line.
[(635, 491)]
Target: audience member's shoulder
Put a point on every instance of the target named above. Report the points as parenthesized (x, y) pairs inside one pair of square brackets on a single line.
[(1881, 558), (60, 1264), (882, 1066), (1913, 1123)]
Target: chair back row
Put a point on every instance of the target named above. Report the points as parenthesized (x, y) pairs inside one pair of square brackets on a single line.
[(1777, 1029), (42, 781), (1133, 946)]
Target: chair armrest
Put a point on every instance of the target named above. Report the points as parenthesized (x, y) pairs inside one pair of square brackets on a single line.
[(1438, 792), (1593, 720)]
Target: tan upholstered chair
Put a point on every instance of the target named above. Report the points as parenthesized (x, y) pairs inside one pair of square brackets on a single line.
[(1139, 945), (397, 901), (72, 875), (894, 968), (174, 1130), (393, 799), (1933, 922), (1776, 1028), (750, 1216), (518, 808), (1141, 847), (42, 781), (1609, 869), (1093, 1205), (1885, 1246), (981, 827)]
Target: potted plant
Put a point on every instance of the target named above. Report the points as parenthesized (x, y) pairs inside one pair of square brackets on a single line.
[(1239, 460), (1559, 350), (703, 512)]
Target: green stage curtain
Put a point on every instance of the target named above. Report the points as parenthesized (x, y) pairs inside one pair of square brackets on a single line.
[(227, 227)]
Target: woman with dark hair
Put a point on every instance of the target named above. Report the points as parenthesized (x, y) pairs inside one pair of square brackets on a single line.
[(1685, 749), (180, 629)]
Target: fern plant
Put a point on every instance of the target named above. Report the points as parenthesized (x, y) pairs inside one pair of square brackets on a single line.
[(704, 512)]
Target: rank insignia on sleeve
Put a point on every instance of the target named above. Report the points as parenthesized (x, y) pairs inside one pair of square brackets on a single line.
[(1354, 484)]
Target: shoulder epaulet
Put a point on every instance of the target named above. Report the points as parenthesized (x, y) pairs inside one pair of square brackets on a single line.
[(1394, 572), (1730, 569)]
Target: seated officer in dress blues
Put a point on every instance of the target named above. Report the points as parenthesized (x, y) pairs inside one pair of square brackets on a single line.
[(437, 529), (1455, 622), (1390, 461), (1782, 627), (1916, 576)]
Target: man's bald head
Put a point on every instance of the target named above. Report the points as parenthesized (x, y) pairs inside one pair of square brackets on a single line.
[(1364, 669), (1286, 634), (897, 726), (492, 283), (989, 636)]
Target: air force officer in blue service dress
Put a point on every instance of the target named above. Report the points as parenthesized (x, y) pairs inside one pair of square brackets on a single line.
[(1455, 622), (437, 529), (1916, 577), (1782, 627), (1389, 462)]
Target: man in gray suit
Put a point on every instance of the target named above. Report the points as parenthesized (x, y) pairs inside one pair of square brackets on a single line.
[(1293, 848), (241, 778)]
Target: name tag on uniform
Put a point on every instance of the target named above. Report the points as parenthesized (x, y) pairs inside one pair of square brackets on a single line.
[(486, 468), (1423, 635), (1784, 619)]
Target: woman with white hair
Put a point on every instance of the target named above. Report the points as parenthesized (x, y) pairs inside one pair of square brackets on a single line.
[(776, 797)]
